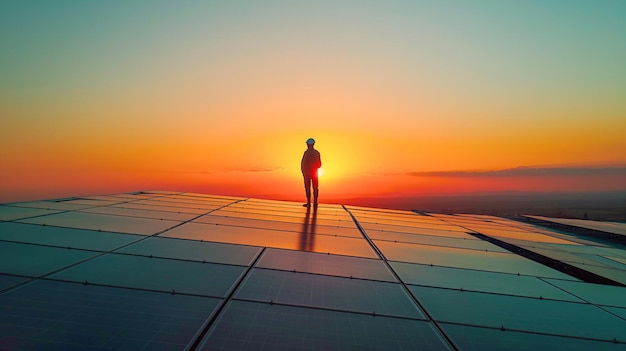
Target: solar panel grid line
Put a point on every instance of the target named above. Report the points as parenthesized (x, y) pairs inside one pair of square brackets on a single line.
[(562, 318), (48, 205), (136, 213), (190, 220), (492, 292), (404, 219), (436, 241), (101, 253), (281, 230), (472, 269), (140, 206), (545, 260), (206, 326), (27, 280), (404, 286), (505, 329), (134, 288), (335, 270), (550, 262), (600, 306), (277, 327), (279, 218), (276, 239), (583, 260), (276, 225), (172, 258), (68, 314), (121, 205), (330, 309), (275, 217), (323, 274), (64, 266), (34, 213), (178, 205), (49, 245), (324, 264)]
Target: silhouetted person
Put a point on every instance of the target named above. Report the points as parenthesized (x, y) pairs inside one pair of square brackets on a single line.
[(311, 162)]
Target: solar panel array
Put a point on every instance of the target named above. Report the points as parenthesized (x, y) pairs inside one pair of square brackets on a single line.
[(173, 271)]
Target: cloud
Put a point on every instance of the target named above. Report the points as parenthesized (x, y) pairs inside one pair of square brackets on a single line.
[(524, 171)]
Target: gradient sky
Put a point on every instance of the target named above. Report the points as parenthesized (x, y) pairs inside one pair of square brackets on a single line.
[(403, 97)]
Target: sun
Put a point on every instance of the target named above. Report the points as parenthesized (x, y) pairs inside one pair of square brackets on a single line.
[(320, 172)]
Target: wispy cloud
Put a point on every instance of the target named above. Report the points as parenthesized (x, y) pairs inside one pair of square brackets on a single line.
[(524, 171)]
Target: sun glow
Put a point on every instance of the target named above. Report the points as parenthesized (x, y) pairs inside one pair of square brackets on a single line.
[(320, 172)]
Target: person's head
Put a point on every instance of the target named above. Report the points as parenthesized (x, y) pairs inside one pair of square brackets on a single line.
[(310, 142)]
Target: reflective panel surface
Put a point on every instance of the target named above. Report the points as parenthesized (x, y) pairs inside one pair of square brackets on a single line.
[(194, 250), (473, 280), (120, 224), (10, 213), (463, 258), (65, 316), (326, 292), (270, 238), (250, 325), (7, 281), (155, 274), (35, 260), (164, 270), (474, 339), (520, 313), (64, 237), (318, 263)]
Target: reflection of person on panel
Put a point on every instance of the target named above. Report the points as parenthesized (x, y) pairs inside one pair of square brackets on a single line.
[(311, 162)]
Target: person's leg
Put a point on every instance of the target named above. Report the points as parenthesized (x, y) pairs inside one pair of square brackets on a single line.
[(307, 190), (315, 182)]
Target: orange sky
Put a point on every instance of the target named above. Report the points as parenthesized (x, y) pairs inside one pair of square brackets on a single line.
[(220, 98)]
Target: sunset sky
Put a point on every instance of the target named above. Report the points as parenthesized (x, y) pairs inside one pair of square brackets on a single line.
[(403, 97)]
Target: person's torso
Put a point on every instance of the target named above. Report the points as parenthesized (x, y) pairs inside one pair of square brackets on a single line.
[(310, 161)]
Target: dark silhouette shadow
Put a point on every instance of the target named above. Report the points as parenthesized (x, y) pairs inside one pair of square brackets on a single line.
[(307, 234)]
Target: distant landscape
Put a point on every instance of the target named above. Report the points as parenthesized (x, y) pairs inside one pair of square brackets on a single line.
[(601, 206)]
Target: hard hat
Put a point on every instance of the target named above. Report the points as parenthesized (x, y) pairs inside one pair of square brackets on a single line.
[(310, 141)]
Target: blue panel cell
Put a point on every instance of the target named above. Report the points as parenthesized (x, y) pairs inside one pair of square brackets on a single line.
[(10, 213), (7, 281), (463, 258), (492, 282), (520, 313), (119, 224), (272, 238), (35, 260), (194, 250), (130, 212), (484, 339), (328, 292), (311, 262), (259, 326), (155, 274), (64, 237), (594, 293), (66, 316)]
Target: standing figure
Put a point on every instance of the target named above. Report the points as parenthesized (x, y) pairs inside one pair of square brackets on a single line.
[(311, 162)]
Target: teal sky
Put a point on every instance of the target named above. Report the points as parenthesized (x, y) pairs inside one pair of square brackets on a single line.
[(491, 50)]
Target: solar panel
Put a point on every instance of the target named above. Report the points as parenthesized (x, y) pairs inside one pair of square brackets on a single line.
[(166, 270)]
